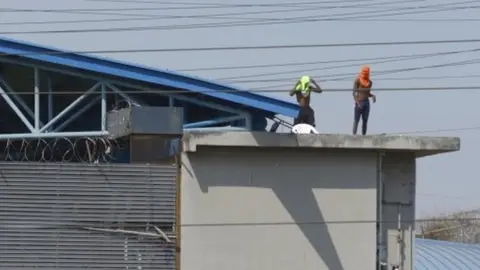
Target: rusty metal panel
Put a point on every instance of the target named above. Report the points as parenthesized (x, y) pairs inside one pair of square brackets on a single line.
[(100, 216)]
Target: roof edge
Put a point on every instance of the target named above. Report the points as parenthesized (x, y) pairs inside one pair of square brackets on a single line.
[(147, 74), (421, 146)]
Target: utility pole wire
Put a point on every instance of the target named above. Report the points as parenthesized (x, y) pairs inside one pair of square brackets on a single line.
[(233, 90), (257, 47), (250, 21), (347, 76), (406, 58)]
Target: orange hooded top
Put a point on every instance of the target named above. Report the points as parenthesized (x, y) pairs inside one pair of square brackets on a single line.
[(364, 77)]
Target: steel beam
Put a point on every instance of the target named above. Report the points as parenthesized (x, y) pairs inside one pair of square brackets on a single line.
[(123, 95), (111, 82), (248, 122), (18, 99), (130, 85), (16, 110), (36, 93), (52, 135), (186, 99), (103, 113), (70, 107), (50, 100), (77, 114), (213, 122)]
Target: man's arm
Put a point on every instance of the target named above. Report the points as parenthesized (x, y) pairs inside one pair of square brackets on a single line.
[(294, 89), (317, 88), (374, 98), (355, 87)]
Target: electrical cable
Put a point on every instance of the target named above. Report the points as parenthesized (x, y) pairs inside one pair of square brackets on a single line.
[(311, 5), (303, 63), (296, 71), (155, 18), (346, 75), (221, 16), (187, 6), (223, 5), (408, 78), (250, 22), (433, 130), (254, 91), (257, 47)]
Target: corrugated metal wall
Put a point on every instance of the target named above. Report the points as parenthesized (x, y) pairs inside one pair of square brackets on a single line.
[(72, 216)]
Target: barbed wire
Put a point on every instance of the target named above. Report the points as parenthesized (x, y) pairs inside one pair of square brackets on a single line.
[(63, 149)]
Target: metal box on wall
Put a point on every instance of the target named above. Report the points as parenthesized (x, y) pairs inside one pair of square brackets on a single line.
[(145, 121)]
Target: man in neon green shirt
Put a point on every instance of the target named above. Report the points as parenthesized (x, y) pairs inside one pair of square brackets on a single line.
[(302, 90)]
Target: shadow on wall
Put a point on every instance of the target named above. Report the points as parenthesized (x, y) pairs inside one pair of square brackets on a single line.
[(267, 170)]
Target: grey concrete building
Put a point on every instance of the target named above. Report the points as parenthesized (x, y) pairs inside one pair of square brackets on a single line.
[(255, 200)]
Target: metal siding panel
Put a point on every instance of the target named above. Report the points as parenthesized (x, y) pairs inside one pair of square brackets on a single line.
[(46, 207)]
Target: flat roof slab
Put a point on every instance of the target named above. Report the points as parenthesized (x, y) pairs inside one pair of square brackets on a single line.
[(420, 145)]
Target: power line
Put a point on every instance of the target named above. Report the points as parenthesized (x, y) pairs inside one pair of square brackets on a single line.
[(223, 5), (313, 5), (185, 6), (260, 47), (249, 22), (331, 90), (347, 75), (303, 63), (408, 78), (434, 130), (221, 16), (207, 26), (396, 59)]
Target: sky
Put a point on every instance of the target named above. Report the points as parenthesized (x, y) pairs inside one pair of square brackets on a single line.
[(445, 183)]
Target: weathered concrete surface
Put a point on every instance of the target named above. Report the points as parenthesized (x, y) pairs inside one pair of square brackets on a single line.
[(421, 146)]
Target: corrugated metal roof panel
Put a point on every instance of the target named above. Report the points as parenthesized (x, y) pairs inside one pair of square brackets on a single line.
[(143, 74), (442, 255)]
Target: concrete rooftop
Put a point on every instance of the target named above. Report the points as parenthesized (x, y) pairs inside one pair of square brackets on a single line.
[(421, 146)]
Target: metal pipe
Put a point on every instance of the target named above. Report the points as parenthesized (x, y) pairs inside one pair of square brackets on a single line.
[(123, 95), (69, 107), (380, 184), (171, 102), (16, 110), (36, 94), (212, 122), (248, 121), (19, 100), (50, 99), (77, 114), (53, 135), (104, 108), (110, 82), (399, 236)]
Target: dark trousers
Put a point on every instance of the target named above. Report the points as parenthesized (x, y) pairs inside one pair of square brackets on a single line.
[(306, 115), (362, 110)]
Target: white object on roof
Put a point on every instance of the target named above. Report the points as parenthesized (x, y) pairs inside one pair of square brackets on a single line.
[(304, 129)]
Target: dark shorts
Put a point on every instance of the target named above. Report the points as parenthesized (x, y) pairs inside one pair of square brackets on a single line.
[(306, 115)]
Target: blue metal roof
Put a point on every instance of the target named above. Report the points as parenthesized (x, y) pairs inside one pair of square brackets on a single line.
[(149, 75), (441, 255)]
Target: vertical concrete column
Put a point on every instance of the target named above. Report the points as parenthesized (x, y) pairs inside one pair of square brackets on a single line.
[(398, 209)]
